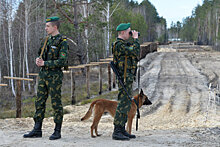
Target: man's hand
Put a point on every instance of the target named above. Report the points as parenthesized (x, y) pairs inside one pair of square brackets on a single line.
[(134, 34), (39, 62)]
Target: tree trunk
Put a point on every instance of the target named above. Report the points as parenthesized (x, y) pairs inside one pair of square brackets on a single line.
[(20, 51), (78, 39), (10, 44), (108, 32), (217, 26), (0, 77), (6, 50), (85, 15), (27, 8)]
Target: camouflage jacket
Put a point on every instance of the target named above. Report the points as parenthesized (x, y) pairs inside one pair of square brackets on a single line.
[(55, 53), (122, 50)]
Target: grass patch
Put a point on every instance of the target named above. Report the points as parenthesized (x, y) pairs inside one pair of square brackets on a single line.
[(81, 93), (28, 106), (7, 114)]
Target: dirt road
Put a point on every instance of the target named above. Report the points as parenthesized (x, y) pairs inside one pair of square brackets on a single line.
[(176, 83)]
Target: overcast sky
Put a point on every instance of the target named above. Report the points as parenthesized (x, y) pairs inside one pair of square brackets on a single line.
[(174, 10)]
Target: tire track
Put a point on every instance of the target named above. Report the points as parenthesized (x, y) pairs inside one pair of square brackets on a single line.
[(179, 92)]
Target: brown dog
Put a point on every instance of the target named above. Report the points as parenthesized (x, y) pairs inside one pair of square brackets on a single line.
[(103, 105)]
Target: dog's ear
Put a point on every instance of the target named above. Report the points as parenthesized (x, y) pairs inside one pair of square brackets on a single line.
[(141, 93)]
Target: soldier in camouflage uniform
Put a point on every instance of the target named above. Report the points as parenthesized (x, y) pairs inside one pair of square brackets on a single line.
[(51, 60), (125, 57)]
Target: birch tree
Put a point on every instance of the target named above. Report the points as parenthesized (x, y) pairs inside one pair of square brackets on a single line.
[(1, 16), (85, 13), (107, 13), (30, 8), (10, 42)]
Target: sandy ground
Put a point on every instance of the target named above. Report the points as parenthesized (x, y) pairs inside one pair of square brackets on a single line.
[(176, 83)]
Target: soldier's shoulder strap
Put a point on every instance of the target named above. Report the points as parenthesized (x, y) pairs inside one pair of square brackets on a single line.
[(42, 49), (113, 49), (114, 45)]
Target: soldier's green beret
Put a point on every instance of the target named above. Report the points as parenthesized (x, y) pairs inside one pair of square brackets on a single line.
[(50, 19), (123, 26)]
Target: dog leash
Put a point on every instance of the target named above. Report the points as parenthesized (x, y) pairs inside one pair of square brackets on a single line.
[(139, 74)]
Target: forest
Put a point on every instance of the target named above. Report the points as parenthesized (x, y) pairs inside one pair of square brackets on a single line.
[(201, 27), (90, 27)]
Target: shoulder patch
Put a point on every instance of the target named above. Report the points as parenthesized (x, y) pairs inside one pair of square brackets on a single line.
[(63, 54)]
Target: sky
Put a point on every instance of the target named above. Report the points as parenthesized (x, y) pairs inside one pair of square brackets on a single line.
[(174, 10)]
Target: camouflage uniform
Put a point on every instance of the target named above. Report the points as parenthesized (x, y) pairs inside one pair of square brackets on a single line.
[(50, 77), (121, 51)]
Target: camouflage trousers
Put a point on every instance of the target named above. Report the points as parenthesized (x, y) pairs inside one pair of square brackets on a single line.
[(124, 104), (50, 83)]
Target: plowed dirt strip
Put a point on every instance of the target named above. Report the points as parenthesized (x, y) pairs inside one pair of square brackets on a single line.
[(176, 83)]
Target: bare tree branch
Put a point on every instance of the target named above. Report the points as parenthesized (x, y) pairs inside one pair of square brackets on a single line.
[(61, 11), (114, 9)]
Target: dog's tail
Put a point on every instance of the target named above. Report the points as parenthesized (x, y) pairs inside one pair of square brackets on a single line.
[(89, 112)]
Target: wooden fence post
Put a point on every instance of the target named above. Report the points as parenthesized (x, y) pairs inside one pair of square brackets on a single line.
[(72, 87), (18, 99), (109, 78), (114, 80), (88, 81), (18, 93), (100, 79)]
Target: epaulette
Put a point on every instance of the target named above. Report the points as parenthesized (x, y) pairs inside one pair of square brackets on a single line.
[(64, 38)]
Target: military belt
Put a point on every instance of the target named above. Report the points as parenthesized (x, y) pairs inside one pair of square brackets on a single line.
[(50, 69)]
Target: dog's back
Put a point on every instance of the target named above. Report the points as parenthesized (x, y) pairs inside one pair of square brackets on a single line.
[(101, 106)]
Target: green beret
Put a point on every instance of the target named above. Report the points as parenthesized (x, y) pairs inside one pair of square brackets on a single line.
[(50, 19), (123, 26)]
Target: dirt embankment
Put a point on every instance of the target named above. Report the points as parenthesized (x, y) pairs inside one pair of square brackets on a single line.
[(176, 83)]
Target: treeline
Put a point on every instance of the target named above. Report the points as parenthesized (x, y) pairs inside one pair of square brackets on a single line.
[(203, 26), (89, 24)]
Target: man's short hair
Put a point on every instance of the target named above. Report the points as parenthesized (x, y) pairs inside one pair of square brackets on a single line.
[(119, 32), (55, 23)]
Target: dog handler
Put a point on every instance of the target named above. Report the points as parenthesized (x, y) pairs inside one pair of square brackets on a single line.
[(125, 57), (52, 57)]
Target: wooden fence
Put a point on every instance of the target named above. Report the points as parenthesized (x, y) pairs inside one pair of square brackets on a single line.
[(145, 49)]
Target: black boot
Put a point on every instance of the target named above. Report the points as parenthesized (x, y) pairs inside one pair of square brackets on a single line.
[(57, 132), (117, 134), (36, 132), (125, 133)]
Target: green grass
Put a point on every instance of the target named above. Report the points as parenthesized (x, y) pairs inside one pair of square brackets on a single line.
[(28, 107)]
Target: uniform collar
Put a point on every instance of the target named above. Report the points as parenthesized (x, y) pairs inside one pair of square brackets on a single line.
[(120, 39), (54, 37)]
